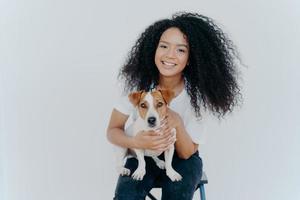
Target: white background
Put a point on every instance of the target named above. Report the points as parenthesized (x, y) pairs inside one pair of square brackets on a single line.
[(59, 62)]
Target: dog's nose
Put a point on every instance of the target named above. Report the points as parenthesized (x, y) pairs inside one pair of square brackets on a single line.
[(151, 120)]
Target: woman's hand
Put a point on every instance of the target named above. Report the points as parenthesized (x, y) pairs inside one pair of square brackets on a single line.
[(162, 138), (154, 140), (172, 120)]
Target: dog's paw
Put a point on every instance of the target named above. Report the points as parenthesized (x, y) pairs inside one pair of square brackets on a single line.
[(173, 175), (124, 171), (160, 164), (139, 174)]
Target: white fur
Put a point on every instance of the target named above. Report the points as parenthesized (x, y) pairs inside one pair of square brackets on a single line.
[(138, 125)]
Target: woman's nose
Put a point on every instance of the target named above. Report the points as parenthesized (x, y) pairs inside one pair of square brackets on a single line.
[(171, 53)]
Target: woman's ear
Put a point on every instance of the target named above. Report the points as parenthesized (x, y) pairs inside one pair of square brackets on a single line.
[(135, 97)]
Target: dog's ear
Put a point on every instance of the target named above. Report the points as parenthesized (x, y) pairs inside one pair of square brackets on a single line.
[(135, 97), (168, 95)]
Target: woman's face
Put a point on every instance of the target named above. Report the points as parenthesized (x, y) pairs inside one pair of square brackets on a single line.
[(172, 53)]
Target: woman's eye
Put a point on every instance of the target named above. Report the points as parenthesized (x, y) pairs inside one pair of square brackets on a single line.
[(181, 50), (162, 46)]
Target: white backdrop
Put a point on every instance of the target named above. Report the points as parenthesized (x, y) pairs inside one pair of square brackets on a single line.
[(59, 61)]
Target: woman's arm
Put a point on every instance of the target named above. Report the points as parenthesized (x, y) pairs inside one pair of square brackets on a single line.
[(115, 130), (184, 145)]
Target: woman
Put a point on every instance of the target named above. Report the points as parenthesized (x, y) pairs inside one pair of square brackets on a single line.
[(190, 55)]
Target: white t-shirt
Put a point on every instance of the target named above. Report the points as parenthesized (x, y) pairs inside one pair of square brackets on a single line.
[(180, 104)]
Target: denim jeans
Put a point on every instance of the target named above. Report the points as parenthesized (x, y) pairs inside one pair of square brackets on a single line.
[(190, 170)]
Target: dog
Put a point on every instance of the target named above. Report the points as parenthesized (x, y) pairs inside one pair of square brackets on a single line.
[(151, 109)]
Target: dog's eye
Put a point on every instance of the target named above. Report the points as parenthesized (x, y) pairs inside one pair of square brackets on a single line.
[(143, 105), (160, 104)]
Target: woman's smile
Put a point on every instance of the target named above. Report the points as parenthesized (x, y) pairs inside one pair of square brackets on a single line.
[(168, 64)]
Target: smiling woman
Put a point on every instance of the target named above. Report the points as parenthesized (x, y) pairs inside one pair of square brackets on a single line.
[(172, 53), (189, 55)]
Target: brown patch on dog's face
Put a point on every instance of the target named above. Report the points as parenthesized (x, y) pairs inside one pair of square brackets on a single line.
[(143, 106), (138, 100), (159, 103)]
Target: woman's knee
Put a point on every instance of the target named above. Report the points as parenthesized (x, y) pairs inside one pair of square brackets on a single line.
[(191, 172), (128, 188), (190, 169)]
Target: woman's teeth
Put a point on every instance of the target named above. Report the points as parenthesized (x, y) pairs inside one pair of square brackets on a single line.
[(167, 63)]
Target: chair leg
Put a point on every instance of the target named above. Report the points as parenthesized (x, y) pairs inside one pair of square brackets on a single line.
[(151, 196), (202, 192)]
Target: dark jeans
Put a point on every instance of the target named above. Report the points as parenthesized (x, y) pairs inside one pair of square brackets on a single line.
[(190, 170)]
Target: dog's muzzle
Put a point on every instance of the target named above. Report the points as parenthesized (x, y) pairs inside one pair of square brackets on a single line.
[(151, 121)]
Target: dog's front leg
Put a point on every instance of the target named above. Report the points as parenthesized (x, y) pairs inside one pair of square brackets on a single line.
[(120, 155), (160, 163), (171, 173), (140, 172)]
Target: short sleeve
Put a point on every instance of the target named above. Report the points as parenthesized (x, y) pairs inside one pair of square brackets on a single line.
[(123, 105), (195, 127)]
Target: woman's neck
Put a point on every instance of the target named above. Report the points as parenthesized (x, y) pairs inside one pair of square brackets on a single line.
[(172, 83)]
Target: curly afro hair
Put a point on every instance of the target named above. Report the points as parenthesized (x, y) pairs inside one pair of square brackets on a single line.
[(211, 75)]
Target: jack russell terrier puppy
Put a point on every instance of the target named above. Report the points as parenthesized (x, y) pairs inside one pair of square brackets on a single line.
[(151, 110)]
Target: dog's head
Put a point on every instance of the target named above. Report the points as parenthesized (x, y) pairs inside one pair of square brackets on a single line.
[(152, 106)]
